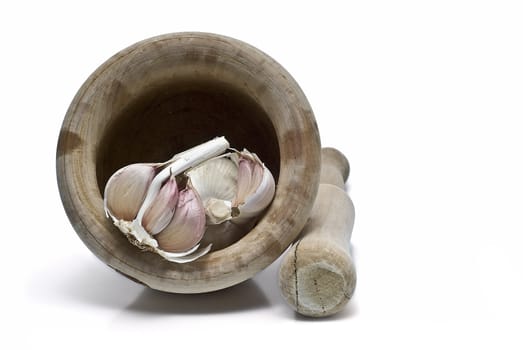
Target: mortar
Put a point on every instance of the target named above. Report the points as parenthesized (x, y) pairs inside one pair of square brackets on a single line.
[(163, 95)]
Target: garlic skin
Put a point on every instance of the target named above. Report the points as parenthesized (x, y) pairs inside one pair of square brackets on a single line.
[(126, 189)]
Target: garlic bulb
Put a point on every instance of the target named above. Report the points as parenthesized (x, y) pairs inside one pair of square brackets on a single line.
[(141, 199), (167, 208), (179, 241)]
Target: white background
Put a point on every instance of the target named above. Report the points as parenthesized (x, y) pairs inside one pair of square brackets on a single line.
[(424, 97)]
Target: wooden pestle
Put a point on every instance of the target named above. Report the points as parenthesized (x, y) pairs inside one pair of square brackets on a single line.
[(317, 276)]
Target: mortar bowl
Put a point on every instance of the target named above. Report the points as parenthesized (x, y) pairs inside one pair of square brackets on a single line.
[(164, 95)]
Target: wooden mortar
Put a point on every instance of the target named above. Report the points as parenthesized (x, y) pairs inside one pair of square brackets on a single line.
[(163, 95)]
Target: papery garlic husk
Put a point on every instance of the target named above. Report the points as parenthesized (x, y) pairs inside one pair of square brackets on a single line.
[(160, 213), (126, 189), (187, 227)]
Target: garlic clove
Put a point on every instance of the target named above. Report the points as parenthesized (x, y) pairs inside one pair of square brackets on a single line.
[(187, 226), (260, 198), (250, 174), (215, 178), (235, 186), (161, 210), (215, 182), (126, 189), (245, 177), (256, 187)]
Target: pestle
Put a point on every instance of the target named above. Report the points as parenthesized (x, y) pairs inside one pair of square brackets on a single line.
[(317, 276)]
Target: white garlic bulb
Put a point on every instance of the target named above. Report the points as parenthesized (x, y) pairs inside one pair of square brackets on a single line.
[(227, 192), (156, 198)]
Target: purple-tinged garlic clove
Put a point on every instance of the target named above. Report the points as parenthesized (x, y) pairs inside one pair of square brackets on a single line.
[(256, 187), (187, 226), (160, 213)]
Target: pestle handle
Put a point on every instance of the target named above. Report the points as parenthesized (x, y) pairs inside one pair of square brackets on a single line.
[(317, 277)]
